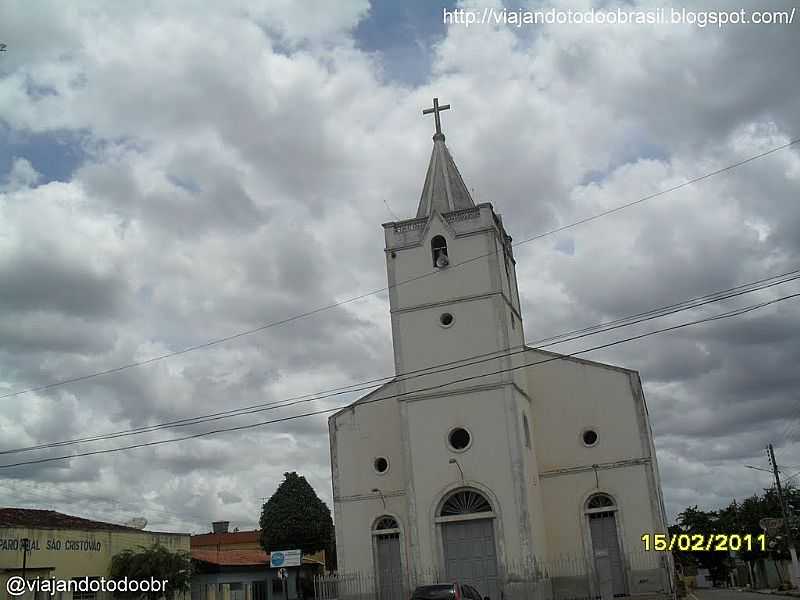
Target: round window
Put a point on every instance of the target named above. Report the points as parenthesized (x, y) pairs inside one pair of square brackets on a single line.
[(459, 438), (589, 437), (446, 319), (381, 465)]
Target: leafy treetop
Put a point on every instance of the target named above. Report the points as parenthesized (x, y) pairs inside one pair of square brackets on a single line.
[(156, 562), (741, 518), (295, 517)]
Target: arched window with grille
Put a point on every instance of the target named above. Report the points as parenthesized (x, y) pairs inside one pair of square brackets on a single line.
[(385, 525), (465, 502), (600, 501)]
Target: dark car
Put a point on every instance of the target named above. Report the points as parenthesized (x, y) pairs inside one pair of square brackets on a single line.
[(447, 591)]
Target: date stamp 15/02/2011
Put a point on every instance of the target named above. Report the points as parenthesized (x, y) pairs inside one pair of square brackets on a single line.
[(694, 542)]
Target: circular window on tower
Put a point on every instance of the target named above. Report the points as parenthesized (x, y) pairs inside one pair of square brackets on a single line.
[(459, 439), (589, 437), (381, 465), (446, 319)]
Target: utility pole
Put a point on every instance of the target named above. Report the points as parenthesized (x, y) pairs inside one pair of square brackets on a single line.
[(785, 514), (25, 542)]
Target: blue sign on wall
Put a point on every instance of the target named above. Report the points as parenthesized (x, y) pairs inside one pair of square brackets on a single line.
[(285, 558)]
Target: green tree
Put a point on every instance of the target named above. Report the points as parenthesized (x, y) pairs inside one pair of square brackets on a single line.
[(745, 516), (738, 518), (694, 521), (682, 558), (331, 563), (156, 562), (770, 507), (295, 517)]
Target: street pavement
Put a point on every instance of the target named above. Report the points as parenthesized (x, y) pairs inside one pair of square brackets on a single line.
[(730, 594)]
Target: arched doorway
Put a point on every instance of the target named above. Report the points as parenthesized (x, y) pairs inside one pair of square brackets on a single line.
[(467, 528), (601, 512), (388, 565)]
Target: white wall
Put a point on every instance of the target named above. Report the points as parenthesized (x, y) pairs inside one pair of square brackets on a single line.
[(564, 500), (473, 278), (568, 396), (359, 434), (364, 432), (489, 464)]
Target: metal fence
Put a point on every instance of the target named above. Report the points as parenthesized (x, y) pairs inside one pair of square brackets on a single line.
[(561, 578), (365, 586)]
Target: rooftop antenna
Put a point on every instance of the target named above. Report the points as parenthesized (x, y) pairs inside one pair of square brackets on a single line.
[(137, 523), (391, 212)]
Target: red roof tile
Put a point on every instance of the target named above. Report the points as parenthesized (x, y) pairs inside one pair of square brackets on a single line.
[(220, 539), (232, 557), (50, 519)]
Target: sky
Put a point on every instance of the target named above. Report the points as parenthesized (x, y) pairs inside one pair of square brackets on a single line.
[(174, 173)]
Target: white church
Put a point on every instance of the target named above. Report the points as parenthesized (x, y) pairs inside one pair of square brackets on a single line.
[(484, 460)]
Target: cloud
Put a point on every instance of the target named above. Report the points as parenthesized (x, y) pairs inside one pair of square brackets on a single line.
[(236, 164), (22, 175)]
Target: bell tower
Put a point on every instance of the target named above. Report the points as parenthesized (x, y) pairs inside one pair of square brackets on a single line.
[(452, 280), (457, 338)]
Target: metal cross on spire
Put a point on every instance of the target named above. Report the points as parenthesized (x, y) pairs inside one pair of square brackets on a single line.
[(436, 110)]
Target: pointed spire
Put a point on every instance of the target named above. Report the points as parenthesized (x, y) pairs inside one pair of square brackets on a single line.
[(444, 189)]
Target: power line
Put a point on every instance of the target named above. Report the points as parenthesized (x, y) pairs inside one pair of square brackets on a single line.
[(729, 314), (791, 477), (758, 469), (713, 296), (456, 364), (435, 369), (221, 340), (663, 311)]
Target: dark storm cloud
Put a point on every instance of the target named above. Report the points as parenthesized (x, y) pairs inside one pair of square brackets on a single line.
[(41, 331), (38, 279), (61, 472), (187, 204)]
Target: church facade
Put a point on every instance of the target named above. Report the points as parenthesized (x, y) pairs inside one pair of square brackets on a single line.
[(484, 460)]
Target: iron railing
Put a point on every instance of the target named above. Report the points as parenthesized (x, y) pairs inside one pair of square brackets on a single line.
[(563, 577)]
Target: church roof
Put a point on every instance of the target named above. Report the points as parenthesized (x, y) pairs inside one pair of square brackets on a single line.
[(581, 360), (389, 394), (444, 189)]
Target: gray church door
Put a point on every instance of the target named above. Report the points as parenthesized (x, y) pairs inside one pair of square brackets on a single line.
[(469, 554), (607, 559), (390, 573)]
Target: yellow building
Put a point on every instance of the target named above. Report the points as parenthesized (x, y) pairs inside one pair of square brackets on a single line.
[(65, 547)]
